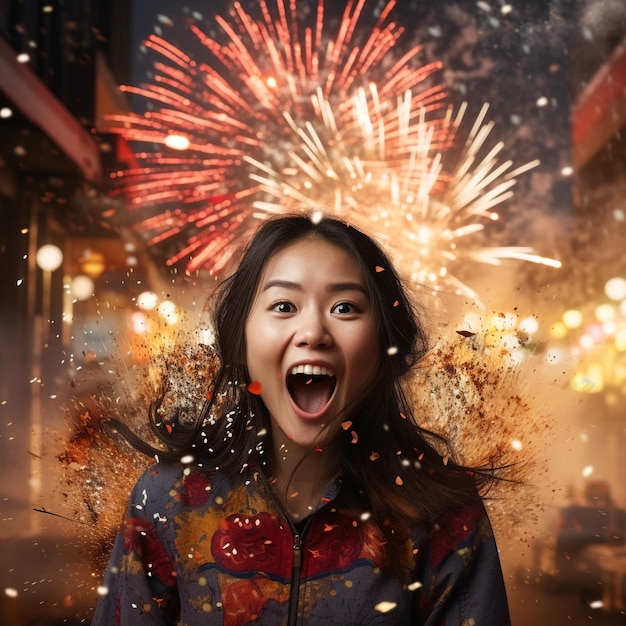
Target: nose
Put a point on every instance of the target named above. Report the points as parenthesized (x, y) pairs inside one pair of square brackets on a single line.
[(312, 331)]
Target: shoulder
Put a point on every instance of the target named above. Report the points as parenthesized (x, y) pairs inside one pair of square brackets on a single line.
[(169, 483), (459, 530), (160, 475)]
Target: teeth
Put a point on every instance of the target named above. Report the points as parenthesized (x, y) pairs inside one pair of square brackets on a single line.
[(312, 370)]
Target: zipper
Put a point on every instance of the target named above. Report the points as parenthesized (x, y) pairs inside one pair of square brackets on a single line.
[(296, 567), (294, 596)]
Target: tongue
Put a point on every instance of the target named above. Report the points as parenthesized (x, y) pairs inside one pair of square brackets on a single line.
[(310, 393)]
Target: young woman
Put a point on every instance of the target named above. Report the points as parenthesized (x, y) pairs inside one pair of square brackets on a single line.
[(307, 492)]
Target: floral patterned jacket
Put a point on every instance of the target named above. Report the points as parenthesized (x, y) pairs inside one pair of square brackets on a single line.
[(213, 549)]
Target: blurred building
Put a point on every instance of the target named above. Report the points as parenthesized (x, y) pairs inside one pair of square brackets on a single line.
[(60, 64)]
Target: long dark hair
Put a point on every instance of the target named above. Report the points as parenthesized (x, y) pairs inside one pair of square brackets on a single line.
[(395, 463)]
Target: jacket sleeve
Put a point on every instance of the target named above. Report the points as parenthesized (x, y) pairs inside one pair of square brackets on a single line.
[(461, 575), (139, 587)]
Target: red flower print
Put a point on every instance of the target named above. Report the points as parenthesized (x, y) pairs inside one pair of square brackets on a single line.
[(338, 543), (131, 533), (195, 491), (252, 543), (245, 600), (140, 537), (454, 527)]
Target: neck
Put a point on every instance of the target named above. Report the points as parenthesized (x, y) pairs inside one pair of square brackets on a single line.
[(300, 474)]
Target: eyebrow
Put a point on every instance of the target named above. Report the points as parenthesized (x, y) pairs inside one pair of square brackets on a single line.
[(333, 287)]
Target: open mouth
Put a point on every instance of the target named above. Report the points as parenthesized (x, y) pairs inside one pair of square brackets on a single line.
[(311, 387)]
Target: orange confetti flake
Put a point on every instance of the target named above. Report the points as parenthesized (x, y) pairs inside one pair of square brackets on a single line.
[(346, 425), (402, 415), (399, 481), (374, 456), (169, 428), (396, 303), (329, 527), (379, 269), (255, 387), (318, 448), (294, 494), (355, 437)]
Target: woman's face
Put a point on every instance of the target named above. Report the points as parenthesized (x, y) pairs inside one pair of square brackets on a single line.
[(311, 339)]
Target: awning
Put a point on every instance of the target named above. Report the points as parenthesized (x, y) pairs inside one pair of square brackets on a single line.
[(39, 105), (601, 108)]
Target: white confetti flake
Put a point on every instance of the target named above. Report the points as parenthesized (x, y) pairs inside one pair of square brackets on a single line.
[(10, 592), (316, 217), (385, 607), (164, 19), (434, 31)]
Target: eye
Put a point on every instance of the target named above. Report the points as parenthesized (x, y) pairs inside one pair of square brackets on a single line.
[(345, 308), (283, 307)]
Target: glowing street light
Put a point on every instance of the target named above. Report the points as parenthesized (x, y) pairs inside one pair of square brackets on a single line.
[(573, 318), (82, 287), (615, 288), (49, 257)]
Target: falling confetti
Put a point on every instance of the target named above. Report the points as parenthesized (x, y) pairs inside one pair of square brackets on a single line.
[(255, 387), (385, 607)]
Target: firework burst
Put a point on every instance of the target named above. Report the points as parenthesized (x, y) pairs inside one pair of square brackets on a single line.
[(298, 108)]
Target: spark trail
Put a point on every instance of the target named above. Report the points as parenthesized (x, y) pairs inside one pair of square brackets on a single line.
[(297, 108)]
